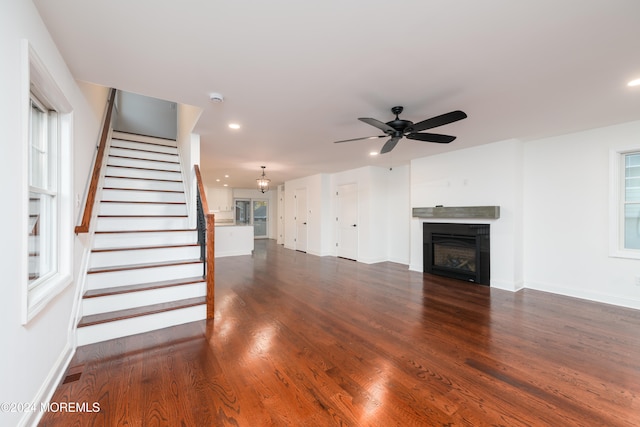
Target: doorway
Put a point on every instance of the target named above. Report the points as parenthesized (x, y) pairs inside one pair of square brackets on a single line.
[(347, 218), (300, 197)]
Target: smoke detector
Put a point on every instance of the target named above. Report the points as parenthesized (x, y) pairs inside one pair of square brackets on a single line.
[(216, 97)]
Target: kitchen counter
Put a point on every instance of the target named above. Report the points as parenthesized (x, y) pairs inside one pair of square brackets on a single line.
[(233, 240)]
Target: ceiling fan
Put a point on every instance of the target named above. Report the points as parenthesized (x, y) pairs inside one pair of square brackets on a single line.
[(398, 128)]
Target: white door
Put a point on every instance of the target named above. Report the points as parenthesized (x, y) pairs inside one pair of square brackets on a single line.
[(300, 196), (348, 221), (280, 239)]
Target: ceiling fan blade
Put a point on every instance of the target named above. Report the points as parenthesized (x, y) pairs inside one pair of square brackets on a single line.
[(377, 123), (358, 139), (431, 137), (390, 144), (436, 121)]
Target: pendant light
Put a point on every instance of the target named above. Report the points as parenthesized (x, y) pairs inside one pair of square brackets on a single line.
[(263, 181)]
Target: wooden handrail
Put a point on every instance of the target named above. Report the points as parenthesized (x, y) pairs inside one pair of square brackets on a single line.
[(95, 176), (209, 221)]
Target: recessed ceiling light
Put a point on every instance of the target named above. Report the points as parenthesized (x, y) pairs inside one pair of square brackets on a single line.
[(635, 82), (218, 180), (234, 125), (226, 176), (373, 153), (225, 185)]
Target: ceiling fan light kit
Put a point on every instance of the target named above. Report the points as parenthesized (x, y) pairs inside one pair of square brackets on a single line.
[(399, 128)]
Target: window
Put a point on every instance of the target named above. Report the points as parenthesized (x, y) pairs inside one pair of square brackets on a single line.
[(625, 204), (43, 190), (47, 184), (631, 201)]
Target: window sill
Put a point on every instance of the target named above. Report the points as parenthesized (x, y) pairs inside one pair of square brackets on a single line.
[(39, 298), (628, 254)]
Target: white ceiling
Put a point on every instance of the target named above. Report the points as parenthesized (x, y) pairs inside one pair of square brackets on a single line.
[(297, 74)]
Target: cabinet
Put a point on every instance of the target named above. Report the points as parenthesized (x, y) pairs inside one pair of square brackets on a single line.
[(220, 199)]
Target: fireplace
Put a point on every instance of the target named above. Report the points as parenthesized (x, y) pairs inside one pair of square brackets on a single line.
[(459, 251)]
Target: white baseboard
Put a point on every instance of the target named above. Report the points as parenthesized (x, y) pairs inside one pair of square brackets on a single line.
[(45, 393), (506, 285), (221, 254), (582, 294)]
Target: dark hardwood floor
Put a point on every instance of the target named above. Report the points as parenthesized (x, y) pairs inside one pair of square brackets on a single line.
[(300, 340)]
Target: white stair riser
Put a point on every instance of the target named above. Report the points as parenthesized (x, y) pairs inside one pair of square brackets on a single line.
[(146, 223), (159, 209), (142, 184), (137, 325), (143, 164), (148, 139), (143, 275), (139, 173), (143, 154), (139, 299), (141, 196), (123, 240), (143, 256), (118, 143)]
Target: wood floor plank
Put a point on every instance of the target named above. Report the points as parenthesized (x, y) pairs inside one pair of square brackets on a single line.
[(300, 340)]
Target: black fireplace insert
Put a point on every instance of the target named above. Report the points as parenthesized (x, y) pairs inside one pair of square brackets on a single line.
[(459, 251)]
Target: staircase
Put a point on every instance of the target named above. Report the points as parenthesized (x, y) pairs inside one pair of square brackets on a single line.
[(145, 271)]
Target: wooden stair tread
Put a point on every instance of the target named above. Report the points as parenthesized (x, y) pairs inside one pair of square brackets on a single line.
[(94, 293), (141, 266), (143, 178), (120, 147), (142, 216), (141, 189), (96, 319), (144, 159), (142, 202), (140, 248), (146, 231), (143, 169)]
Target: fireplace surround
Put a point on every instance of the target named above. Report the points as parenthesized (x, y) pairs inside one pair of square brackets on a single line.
[(459, 251)]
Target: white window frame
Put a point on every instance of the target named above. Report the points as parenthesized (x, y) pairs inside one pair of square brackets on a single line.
[(37, 80), (617, 204)]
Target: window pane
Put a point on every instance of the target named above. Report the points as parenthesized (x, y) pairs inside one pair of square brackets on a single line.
[(40, 235), (259, 218), (38, 154), (632, 177), (243, 214)]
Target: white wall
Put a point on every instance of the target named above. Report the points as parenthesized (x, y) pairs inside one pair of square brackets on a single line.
[(319, 211), (486, 175), (144, 115), (34, 355), (189, 150), (398, 214), (566, 216), (383, 212)]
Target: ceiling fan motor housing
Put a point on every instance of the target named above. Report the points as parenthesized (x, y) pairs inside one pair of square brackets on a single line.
[(398, 124)]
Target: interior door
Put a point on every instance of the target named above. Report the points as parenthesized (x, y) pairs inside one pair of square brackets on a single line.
[(300, 196), (348, 221)]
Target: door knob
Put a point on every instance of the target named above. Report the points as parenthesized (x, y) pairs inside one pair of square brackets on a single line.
[(354, 225)]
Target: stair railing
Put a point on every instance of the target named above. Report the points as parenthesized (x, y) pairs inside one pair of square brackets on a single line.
[(95, 175), (206, 236)]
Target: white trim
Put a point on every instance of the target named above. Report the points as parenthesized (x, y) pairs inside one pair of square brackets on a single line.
[(616, 232), (48, 387), (584, 294), (36, 79)]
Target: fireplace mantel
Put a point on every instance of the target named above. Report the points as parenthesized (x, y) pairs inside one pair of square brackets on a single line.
[(475, 212)]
